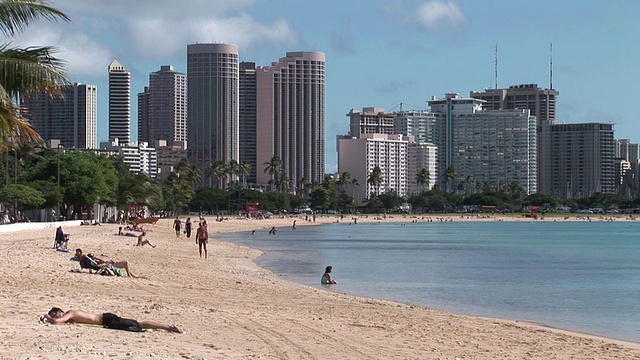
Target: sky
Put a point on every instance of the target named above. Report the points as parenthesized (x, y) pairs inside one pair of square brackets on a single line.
[(380, 53)]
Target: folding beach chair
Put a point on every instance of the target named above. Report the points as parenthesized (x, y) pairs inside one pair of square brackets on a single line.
[(61, 240)]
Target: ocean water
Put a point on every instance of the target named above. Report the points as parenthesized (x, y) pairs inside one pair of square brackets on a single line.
[(580, 276)]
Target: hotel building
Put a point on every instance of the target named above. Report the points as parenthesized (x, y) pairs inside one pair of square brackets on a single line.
[(71, 117), (213, 107), (162, 107), (291, 117)]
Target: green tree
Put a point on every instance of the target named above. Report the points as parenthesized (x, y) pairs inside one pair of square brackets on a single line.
[(21, 195), (423, 178), (139, 190), (319, 199), (244, 169), (375, 179), (218, 171), (390, 200), (25, 71), (273, 168), (449, 176)]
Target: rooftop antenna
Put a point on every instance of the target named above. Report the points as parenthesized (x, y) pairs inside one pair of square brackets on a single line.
[(495, 66), (550, 65)]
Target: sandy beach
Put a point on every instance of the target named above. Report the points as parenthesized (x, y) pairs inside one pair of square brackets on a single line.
[(229, 308)]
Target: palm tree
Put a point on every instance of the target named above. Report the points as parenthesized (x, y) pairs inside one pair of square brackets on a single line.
[(244, 169), (354, 183), (233, 170), (25, 71), (304, 185), (449, 175), (345, 179), (470, 180), (375, 178), (218, 171), (423, 178), (273, 168)]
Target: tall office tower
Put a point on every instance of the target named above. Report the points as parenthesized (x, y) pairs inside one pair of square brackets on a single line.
[(494, 147), (144, 121), (581, 158), (162, 107), (212, 98), (371, 120), (291, 116), (541, 103), (421, 156), (71, 117), (248, 102), (119, 103), (417, 123), (359, 156)]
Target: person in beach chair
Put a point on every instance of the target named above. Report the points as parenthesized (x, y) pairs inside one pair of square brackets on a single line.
[(93, 263), (61, 240), (57, 316)]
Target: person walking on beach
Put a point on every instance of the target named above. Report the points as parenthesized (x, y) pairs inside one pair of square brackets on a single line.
[(187, 227), (326, 277), (177, 225), (57, 316), (202, 238)]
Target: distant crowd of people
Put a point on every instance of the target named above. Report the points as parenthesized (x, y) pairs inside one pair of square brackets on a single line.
[(9, 218)]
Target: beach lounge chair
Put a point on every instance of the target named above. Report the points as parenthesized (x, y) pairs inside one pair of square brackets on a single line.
[(86, 262), (61, 240)]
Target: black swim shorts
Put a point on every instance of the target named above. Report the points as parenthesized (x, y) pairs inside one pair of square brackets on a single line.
[(112, 321)]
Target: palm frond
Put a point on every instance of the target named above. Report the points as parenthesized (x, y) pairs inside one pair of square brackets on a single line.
[(17, 15), (30, 70)]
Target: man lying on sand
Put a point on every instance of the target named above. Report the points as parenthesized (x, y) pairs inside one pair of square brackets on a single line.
[(57, 316)]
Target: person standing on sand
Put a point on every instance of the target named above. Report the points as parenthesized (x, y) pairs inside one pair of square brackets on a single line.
[(326, 277), (177, 224), (202, 238), (187, 227), (57, 316)]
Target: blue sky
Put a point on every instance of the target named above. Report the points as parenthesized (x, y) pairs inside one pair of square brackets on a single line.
[(378, 52)]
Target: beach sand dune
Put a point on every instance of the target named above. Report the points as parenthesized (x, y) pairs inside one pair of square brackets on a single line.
[(229, 308)]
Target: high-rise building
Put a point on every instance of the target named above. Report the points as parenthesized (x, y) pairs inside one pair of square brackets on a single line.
[(421, 156), (119, 103), (71, 117), (359, 156), (162, 107), (291, 117), (581, 158), (371, 120), (248, 114), (542, 104), (493, 147), (417, 123), (169, 156), (212, 98)]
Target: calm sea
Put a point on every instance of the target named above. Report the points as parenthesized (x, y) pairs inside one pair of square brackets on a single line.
[(573, 275)]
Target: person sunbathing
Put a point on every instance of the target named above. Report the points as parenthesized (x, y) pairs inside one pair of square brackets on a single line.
[(94, 263), (57, 316), (122, 233), (143, 242)]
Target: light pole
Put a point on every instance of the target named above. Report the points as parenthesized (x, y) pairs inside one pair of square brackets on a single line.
[(60, 147)]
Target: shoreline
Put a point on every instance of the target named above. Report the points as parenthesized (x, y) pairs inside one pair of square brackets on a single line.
[(459, 311), (230, 307)]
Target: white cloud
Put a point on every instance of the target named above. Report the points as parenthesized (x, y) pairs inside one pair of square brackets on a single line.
[(84, 56), (438, 14), (154, 37)]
